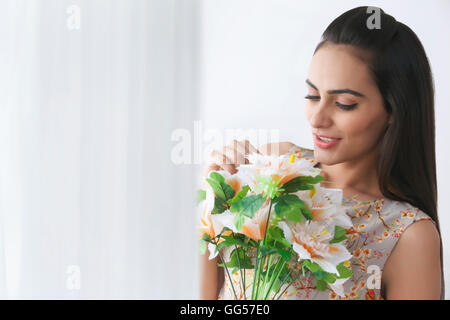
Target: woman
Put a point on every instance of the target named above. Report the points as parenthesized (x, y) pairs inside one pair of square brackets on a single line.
[(370, 104)]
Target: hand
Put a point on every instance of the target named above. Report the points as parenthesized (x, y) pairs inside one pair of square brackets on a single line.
[(230, 156)]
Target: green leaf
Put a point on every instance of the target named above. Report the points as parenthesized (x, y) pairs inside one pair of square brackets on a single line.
[(264, 250), (243, 262), (321, 285), (294, 214), (292, 207), (227, 189), (202, 244), (231, 241), (301, 183), (201, 195), (216, 188), (285, 254), (240, 195), (307, 213), (319, 274), (329, 277), (344, 272), (285, 203), (206, 237), (220, 187), (216, 176), (248, 205), (312, 266), (277, 234), (312, 180), (219, 206), (339, 235), (239, 220)]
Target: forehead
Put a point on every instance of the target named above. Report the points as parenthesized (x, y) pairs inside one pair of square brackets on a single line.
[(338, 66)]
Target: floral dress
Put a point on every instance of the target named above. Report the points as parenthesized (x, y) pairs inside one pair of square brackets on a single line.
[(377, 226)]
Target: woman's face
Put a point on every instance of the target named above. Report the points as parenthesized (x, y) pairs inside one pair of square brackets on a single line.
[(343, 102)]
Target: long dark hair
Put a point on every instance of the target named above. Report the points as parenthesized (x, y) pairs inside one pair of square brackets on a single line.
[(406, 159)]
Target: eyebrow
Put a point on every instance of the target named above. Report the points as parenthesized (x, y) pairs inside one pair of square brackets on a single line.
[(337, 91)]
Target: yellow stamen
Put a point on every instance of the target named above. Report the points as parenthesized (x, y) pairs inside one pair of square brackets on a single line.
[(324, 231), (291, 160), (312, 192), (347, 263)]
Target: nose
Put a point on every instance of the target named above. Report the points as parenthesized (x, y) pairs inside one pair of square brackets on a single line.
[(319, 115)]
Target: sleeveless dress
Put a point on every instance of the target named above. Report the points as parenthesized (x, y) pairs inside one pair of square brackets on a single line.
[(377, 226)]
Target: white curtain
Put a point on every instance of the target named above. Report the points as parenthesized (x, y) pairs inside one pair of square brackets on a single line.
[(91, 204)]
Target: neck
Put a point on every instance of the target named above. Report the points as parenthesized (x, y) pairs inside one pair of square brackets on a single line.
[(356, 177)]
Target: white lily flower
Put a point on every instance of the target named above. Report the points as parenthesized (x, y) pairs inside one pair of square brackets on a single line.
[(325, 205), (221, 220), (252, 227), (284, 168), (338, 286), (206, 206), (212, 251), (311, 241)]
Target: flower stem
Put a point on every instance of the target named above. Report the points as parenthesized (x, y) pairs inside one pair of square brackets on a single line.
[(240, 270), (279, 296), (255, 274), (258, 272), (276, 273), (269, 267), (287, 276), (228, 273), (267, 223)]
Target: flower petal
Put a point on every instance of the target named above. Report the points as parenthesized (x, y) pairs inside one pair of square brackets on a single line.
[(212, 253), (302, 252)]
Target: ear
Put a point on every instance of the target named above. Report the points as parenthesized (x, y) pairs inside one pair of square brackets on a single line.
[(390, 119)]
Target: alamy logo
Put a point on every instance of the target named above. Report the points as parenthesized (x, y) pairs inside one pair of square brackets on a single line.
[(374, 281), (74, 17), (374, 21), (73, 280)]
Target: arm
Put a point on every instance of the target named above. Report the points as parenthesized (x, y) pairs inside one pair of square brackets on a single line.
[(413, 270), (211, 277)]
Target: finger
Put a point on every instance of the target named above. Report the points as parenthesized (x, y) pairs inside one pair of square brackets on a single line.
[(223, 161), (236, 157), (250, 147), (240, 147)]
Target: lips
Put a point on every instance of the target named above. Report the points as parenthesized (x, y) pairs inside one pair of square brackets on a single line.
[(325, 144), (324, 136)]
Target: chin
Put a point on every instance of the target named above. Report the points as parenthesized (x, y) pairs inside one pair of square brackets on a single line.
[(326, 157)]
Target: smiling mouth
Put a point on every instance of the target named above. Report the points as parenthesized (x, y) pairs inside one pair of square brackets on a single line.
[(326, 138), (325, 142)]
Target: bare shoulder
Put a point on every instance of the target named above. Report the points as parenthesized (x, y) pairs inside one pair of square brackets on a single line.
[(420, 240), (417, 252), (277, 148), (421, 233)]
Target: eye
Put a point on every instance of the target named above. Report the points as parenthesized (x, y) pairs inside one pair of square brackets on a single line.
[(346, 106), (315, 98)]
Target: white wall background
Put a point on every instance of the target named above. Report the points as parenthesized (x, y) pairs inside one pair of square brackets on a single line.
[(87, 116), (255, 58), (86, 176)]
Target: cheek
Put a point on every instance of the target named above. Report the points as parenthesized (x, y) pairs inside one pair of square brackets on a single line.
[(361, 126)]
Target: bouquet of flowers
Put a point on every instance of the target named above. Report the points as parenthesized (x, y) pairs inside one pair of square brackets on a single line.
[(273, 218)]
